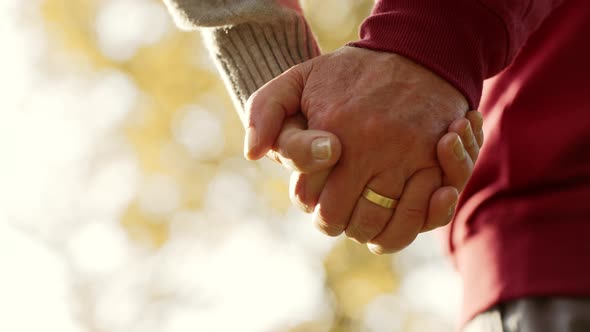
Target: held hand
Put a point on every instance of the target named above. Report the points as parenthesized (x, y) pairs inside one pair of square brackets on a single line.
[(304, 150), (457, 152), (309, 154), (456, 171), (388, 113)]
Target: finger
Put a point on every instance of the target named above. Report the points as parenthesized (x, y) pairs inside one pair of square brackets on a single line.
[(305, 189), (368, 219), (304, 150), (293, 122), (410, 215), (457, 167), (463, 128), (456, 164), (441, 208), (268, 107), (476, 120), (336, 202)]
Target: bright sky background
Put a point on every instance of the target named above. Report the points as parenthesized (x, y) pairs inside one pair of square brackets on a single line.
[(68, 174)]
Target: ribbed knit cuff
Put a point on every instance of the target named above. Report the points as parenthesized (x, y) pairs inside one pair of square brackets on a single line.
[(251, 54)]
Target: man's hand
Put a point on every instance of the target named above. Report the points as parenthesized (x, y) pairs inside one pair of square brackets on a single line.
[(388, 113), (457, 152)]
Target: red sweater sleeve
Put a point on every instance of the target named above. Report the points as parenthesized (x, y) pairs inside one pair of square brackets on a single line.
[(463, 41)]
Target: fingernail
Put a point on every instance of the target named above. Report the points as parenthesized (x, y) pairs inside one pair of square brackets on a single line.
[(479, 122), (307, 209), (452, 209), (375, 248), (459, 150), (468, 134), (468, 131), (251, 140), (321, 148)]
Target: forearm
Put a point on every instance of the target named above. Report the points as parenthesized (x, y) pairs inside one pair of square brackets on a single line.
[(251, 41)]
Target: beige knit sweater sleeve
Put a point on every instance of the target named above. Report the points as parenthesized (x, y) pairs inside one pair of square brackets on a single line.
[(251, 41)]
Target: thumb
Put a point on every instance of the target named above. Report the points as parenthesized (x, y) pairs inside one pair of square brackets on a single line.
[(268, 107), (305, 150)]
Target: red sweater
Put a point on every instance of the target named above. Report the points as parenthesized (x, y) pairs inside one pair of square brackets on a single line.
[(522, 226)]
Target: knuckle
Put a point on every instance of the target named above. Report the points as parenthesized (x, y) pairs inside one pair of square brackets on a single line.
[(302, 205), (328, 228), (363, 229), (356, 234), (375, 249), (299, 203), (297, 189), (384, 248), (414, 213), (300, 198), (395, 245)]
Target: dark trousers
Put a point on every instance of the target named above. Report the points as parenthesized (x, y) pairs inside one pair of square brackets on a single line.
[(535, 315)]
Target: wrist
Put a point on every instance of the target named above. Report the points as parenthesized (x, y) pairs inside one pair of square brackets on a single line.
[(441, 91), (463, 41), (248, 55), (416, 81)]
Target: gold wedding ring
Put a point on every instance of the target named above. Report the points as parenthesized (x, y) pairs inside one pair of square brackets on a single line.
[(373, 197)]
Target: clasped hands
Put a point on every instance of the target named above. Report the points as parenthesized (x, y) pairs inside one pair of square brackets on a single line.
[(356, 119)]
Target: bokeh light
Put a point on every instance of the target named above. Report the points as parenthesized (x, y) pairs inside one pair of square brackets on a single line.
[(123, 26), (126, 204)]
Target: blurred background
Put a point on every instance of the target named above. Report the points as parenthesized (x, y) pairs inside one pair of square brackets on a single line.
[(126, 205)]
